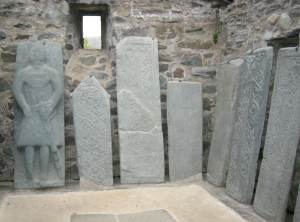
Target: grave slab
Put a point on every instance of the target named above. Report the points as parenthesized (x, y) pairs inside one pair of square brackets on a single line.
[(184, 107), (39, 149), (219, 153), (139, 111), (93, 132), (248, 121), (283, 135)]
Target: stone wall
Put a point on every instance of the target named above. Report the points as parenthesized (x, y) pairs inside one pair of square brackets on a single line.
[(188, 50)]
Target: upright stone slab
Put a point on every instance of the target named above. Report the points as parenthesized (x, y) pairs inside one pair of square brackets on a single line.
[(92, 123), (219, 153), (283, 135), (39, 116), (184, 106), (139, 111), (249, 123), (297, 209)]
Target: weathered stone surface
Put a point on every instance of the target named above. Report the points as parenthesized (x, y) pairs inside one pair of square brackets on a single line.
[(92, 123), (283, 134), (297, 209), (39, 116), (148, 216), (248, 123), (140, 132), (228, 76), (184, 106)]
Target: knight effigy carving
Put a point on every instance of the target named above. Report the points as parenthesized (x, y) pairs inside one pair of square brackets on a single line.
[(38, 89)]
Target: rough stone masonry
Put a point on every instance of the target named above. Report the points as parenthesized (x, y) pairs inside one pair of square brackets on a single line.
[(140, 130)]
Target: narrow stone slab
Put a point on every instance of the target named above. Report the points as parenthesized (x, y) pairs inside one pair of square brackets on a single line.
[(297, 209), (184, 106), (93, 132), (93, 218), (249, 123), (38, 87), (139, 111), (148, 216), (283, 135), (219, 153)]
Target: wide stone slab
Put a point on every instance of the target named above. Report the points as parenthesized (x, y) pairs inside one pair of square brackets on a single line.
[(248, 121), (91, 108), (139, 111), (219, 153), (39, 150), (283, 135), (184, 106), (93, 218), (148, 216)]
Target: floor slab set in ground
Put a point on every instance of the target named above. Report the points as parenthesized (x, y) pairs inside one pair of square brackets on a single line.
[(185, 203)]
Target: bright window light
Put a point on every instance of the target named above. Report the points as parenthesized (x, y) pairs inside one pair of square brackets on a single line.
[(91, 30)]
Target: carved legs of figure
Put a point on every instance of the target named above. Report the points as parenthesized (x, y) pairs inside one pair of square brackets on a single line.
[(29, 160), (44, 162)]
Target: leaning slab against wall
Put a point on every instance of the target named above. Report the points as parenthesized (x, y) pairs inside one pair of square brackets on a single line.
[(139, 111), (249, 123), (228, 76), (92, 122), (184, 106), (283, 134), (39, 149)]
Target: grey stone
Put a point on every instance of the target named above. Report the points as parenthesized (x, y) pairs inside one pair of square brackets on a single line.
[(89, 60), (149, 216), (93, 132), (283, 134), (297, 209), (204, 72), (2, 35), (248, 123), (39, 116), (93, 218), (47, 35), (184, 107), (218, 161), (284, 21), (140, 130), (192, 60)]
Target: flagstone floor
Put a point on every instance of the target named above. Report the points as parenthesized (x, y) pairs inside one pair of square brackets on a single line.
[(194, 201)]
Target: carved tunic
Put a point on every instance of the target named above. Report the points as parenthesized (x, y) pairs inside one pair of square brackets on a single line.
[(37, 89)]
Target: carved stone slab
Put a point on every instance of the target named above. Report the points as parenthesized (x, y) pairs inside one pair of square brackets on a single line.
[(297, 209), (92, 123), (139, 111), (184, 106), (283, 134), (248, 123), (39, 116), (219, 153)]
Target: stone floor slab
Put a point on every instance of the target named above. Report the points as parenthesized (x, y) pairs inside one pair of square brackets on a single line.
[(93, 218), (149, 216)]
